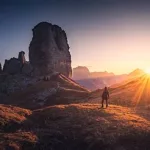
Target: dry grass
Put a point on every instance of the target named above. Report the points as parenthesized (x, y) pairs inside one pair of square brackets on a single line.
[(18, 140), (86, 126), (75, 127), (133, 93), (10, 116), (11, 134)]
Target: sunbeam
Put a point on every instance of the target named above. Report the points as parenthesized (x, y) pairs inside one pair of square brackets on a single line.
[(142, 93)]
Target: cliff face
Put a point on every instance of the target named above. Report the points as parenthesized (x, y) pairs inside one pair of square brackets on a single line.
[(0, 68), (49, 50)]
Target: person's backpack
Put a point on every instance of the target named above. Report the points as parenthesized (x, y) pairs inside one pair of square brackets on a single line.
[(105, 94)]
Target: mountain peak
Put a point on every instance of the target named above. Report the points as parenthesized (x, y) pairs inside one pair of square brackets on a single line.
[(136, 72)]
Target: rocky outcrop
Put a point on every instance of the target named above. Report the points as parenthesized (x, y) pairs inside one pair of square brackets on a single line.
[(12, 83), (21, 57), (48, 56), (18, 65), (0, 68), (49, 50), (27, 69), (12, 66)]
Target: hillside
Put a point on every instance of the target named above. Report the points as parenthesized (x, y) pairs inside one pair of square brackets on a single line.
[(75, 126), (12, 136), (72, 118), (56, 89), (132, 92)]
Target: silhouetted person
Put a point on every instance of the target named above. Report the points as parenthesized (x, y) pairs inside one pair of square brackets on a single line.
[(105, 96)]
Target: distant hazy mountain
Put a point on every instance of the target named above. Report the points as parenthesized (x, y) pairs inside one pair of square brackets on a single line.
[(136, 72), (101, 82), (95, 80), (81, 72)]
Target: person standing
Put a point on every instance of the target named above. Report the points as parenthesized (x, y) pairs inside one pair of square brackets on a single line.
[(105, 97)]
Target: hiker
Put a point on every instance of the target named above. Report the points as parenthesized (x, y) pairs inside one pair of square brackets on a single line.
[(105, 96)]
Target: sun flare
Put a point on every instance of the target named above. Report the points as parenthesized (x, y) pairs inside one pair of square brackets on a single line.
[(147, 71)]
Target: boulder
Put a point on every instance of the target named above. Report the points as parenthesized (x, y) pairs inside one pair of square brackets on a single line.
[(49, 50)]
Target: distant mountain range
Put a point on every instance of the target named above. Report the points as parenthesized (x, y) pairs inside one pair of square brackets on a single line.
[(136, 72), (82, 72), (95, 80)]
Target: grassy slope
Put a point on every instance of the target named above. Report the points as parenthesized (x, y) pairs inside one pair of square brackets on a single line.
[(133, 92), (11, 135), (78, 126), (85, 126), (68, 92)]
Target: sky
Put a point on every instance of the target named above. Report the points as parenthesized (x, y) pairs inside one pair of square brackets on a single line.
[(104, 35)]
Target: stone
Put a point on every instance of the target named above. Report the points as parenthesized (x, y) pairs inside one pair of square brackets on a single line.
[(18, 65), (0, 68), (12, 66), (12, 83), (21, 57), (27, 69), (42, 96), (49, 50)]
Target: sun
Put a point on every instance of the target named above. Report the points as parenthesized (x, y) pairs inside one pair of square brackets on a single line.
[(147, 71)]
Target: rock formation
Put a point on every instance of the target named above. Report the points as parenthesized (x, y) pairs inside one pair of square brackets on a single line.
[(27, 69), (18, 65), (21, 57), (0, 68), (49, 50), (48, 56), (12, 66)]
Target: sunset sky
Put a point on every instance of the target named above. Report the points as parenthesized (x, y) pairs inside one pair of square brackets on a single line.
[(111, 35)]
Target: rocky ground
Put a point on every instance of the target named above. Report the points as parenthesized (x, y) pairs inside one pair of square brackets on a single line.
[(33, 93)]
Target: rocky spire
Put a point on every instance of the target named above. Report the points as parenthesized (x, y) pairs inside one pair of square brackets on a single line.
[(49, 50), (21, 57)]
